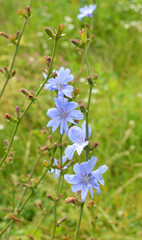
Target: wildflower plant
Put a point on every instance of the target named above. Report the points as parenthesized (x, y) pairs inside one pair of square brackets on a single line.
[(66, 116)]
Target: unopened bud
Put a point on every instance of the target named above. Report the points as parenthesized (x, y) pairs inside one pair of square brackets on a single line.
[(48, 60), (25, 92), (50, 197), (13, 73), (12, 38), (30, 237), (76, 91), (60, 221), (7, 116), (71, 200), (54, 74), (22, 13), (76, 43), (91, 202), (1, 70), (17, 109), (45, 148), (6, 69), (83, 35), (96, 144), (5, 142), (60, 30), (79, 102), (28, 10), (89, 79), (95, 76), (82, 108), (4, 34), (17, 35), (49, 31)]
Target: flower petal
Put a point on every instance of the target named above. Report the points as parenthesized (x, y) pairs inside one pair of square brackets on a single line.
[(69, 151), (84, 129), (84, 192), (76, 135), (53, 112), (77, 115), (76, 187), (90, 164)]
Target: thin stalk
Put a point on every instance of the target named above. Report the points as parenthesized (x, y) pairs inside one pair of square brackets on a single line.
[(87, 123), (36, 95), (15, 54), (57, 192), (79, 221), (88, 105), (30, 194)]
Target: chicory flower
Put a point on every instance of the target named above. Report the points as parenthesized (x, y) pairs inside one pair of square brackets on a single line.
[(86, 11), (59, 83), (63, 113), (78, 136), (85, 179), (57, 171)]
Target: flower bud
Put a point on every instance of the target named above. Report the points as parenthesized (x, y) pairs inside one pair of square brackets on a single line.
[(7, 116), (54, 74), (73, 200), (4, 34), (89, 79), (17, 109), (13, 73), (20, 12), (1, 70), (83, 35), (30, 237), (95, 76), (96, 144), (76, 42), (17, 35), (49, 31), (48, 60), (25, 92), (76, 91), (6, 69), (45, 148), (60, 221), (50, 197), (60, 30), (5, 142), (28, 10)]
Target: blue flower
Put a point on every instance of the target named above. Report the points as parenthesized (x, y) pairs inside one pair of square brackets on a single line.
[(57, 171), (62, 114), (78, 136), (59, 83), (86, 11), (85, 179)]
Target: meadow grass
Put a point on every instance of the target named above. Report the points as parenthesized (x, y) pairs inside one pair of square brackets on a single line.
[(115, 116)]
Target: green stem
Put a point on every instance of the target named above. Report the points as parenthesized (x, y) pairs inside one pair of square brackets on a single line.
[(57, 192), (79, 221), (36, 95), (87, 122), (15, 54)]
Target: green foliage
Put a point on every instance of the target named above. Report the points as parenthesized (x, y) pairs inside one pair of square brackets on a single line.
[(115, 115)]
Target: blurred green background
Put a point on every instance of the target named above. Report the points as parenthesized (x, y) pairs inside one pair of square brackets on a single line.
[(115, 116)]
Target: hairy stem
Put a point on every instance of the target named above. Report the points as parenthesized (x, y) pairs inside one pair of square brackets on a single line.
[(15, 54), (36, 95)]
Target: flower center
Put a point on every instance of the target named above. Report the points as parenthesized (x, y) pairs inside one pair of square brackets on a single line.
[(86, 178), (63, 115)]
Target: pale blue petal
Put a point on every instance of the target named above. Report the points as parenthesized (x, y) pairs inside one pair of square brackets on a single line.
[(84, 192), (72, 106), (67, 91), (53, 113), (91, 191), (44, 75), (90, 164), (54, 123), (47, 86), (76, 135), (69, 151), (76, 187), (76, 114), (80, 147), (68, 177), (57, 173)]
